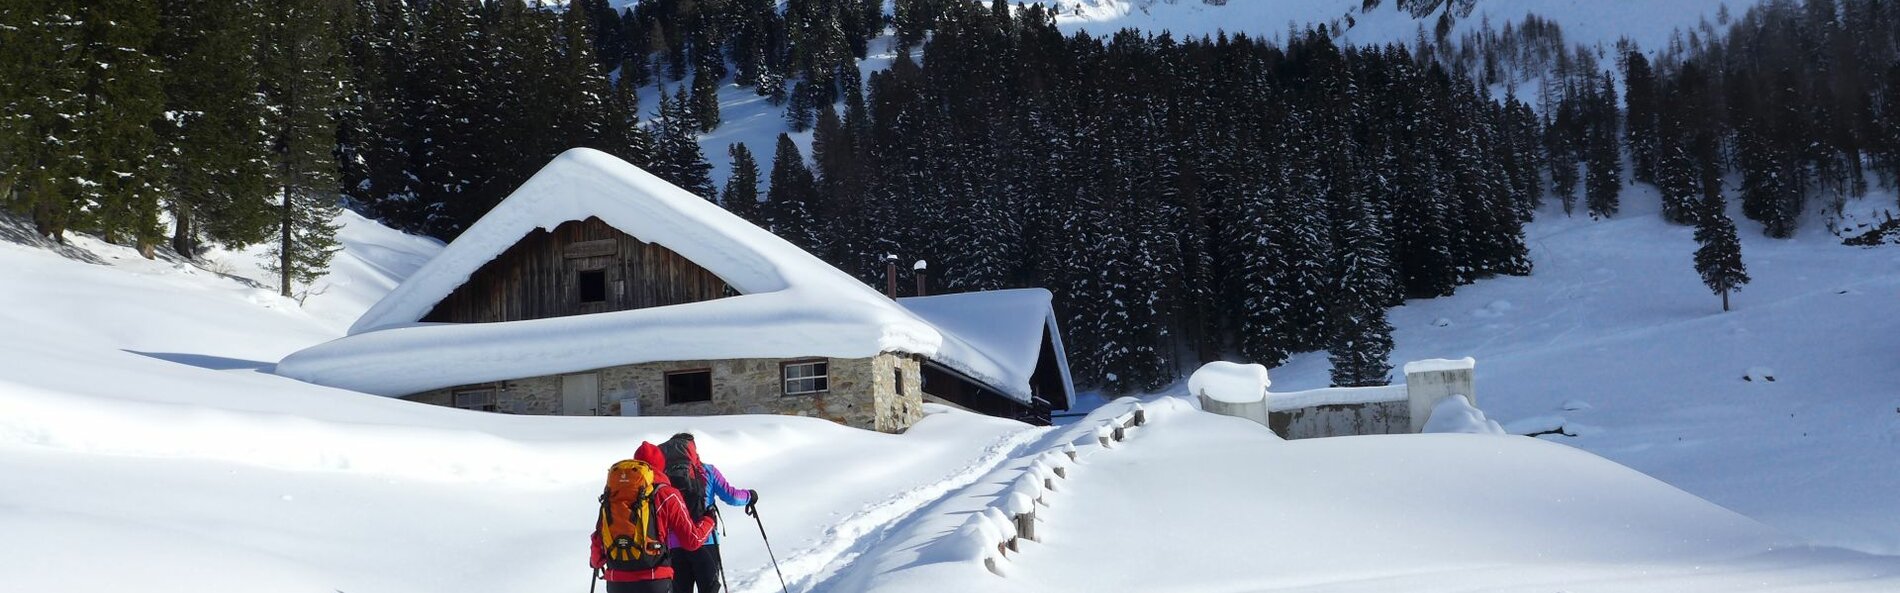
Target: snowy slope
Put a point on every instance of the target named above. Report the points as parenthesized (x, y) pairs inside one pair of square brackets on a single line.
[(135, 415), (1649, 23), (133, 410), (1614, 337), (1196, 502)]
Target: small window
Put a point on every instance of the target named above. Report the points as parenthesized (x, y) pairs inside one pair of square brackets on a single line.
[(593, 285), (684, 387), (806, 377), (476, 399), (900, 381)]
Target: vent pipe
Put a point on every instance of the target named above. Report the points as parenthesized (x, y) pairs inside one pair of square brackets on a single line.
[(890, 276), (921, 269)]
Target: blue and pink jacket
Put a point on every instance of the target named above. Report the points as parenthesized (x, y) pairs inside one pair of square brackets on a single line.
[(717, 489)]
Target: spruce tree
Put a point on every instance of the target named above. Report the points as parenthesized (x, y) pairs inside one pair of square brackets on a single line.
[(677, 157), (1641, 107), (789, 202), (800, 110), (37, 41), (1604, 182), (742, 186), (1719, 255), (705, 105), (115, 175), (216, 169), (298, 69)]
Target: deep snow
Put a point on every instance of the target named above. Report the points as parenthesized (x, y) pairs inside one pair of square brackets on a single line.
[(1614, 336), (135, 408)]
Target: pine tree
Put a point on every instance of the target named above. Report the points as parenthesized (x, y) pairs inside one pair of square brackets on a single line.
[(216, 168), (789, 202), (1640, 115), (298, 69), (36, 135), (677, 157), (626, 138), (1604, 182), (705, 105), (800, 110), (1719, 257), (453, 121), (115, 174), (1361, 339), (742, 186)]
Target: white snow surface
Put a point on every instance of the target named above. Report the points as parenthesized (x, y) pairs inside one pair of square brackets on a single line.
[(1614, 315), (1336, 396), (1455, 414), (791, 304), (133, 411), (1199, 502), (1230, 382), (1430, 365)]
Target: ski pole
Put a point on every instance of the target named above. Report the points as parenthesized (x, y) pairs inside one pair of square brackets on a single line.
[(768, 550), (593, 582)]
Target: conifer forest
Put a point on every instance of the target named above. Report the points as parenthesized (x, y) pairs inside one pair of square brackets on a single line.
[(1185, 199)]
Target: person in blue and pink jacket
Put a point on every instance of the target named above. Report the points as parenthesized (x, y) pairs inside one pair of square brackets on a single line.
[(700, 567)]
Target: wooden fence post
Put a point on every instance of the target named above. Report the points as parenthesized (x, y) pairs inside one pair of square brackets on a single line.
[(1025, 528)]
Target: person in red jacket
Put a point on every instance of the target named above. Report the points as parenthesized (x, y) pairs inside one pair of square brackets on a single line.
[(674, 521)]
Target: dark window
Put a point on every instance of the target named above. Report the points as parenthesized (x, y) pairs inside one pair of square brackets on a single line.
[(688, 386), (476, 399), (593, 286), (806, 377), (900, 381)]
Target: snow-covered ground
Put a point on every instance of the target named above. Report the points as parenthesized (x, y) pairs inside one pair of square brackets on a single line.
[(1614, 338), (136, 414)]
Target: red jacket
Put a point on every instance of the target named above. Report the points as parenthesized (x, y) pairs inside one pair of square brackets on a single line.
[(671, 508)]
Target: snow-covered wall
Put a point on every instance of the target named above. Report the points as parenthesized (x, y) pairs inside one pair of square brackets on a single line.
[(1429, 381), (1240, 390)]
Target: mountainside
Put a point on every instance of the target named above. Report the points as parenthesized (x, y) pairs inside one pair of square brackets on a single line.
[(1583, 21)]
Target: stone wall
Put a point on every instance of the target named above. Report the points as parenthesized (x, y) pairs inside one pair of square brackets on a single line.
[(863, 392), (1390, 417)]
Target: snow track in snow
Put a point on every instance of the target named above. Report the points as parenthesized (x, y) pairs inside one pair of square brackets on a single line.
[(808, 569)]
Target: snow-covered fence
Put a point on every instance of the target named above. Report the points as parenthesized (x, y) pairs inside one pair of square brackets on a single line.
[(1010, 519), (1241, 390)]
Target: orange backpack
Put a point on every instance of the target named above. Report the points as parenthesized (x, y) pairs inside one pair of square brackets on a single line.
[(629, 527)]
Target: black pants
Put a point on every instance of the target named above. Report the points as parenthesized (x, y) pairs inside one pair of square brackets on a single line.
[(653, 586), (696, 568)]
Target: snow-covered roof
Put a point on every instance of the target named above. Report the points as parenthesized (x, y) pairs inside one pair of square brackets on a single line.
[(1430, 365), (1004, 327), (791, 303)]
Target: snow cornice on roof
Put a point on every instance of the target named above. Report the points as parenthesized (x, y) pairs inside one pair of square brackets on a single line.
[(792, 303)]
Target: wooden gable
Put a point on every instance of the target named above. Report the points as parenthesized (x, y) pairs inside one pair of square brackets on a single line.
[(580, 267)]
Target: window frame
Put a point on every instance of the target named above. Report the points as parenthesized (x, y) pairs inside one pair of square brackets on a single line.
[(818, 379), (493, 395), (666, 383)]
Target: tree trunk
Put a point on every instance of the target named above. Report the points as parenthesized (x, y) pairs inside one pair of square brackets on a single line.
[(284, 246), (1724, 301), (181, 231)]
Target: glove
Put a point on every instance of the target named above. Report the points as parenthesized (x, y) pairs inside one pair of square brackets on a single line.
[(752, 503), (597, 562)]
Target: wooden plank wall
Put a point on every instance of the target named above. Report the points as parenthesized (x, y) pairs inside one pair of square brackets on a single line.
[(539, 277)]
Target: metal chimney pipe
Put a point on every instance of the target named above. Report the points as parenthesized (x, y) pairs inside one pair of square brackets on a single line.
[(922, 272), (890, 276)]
